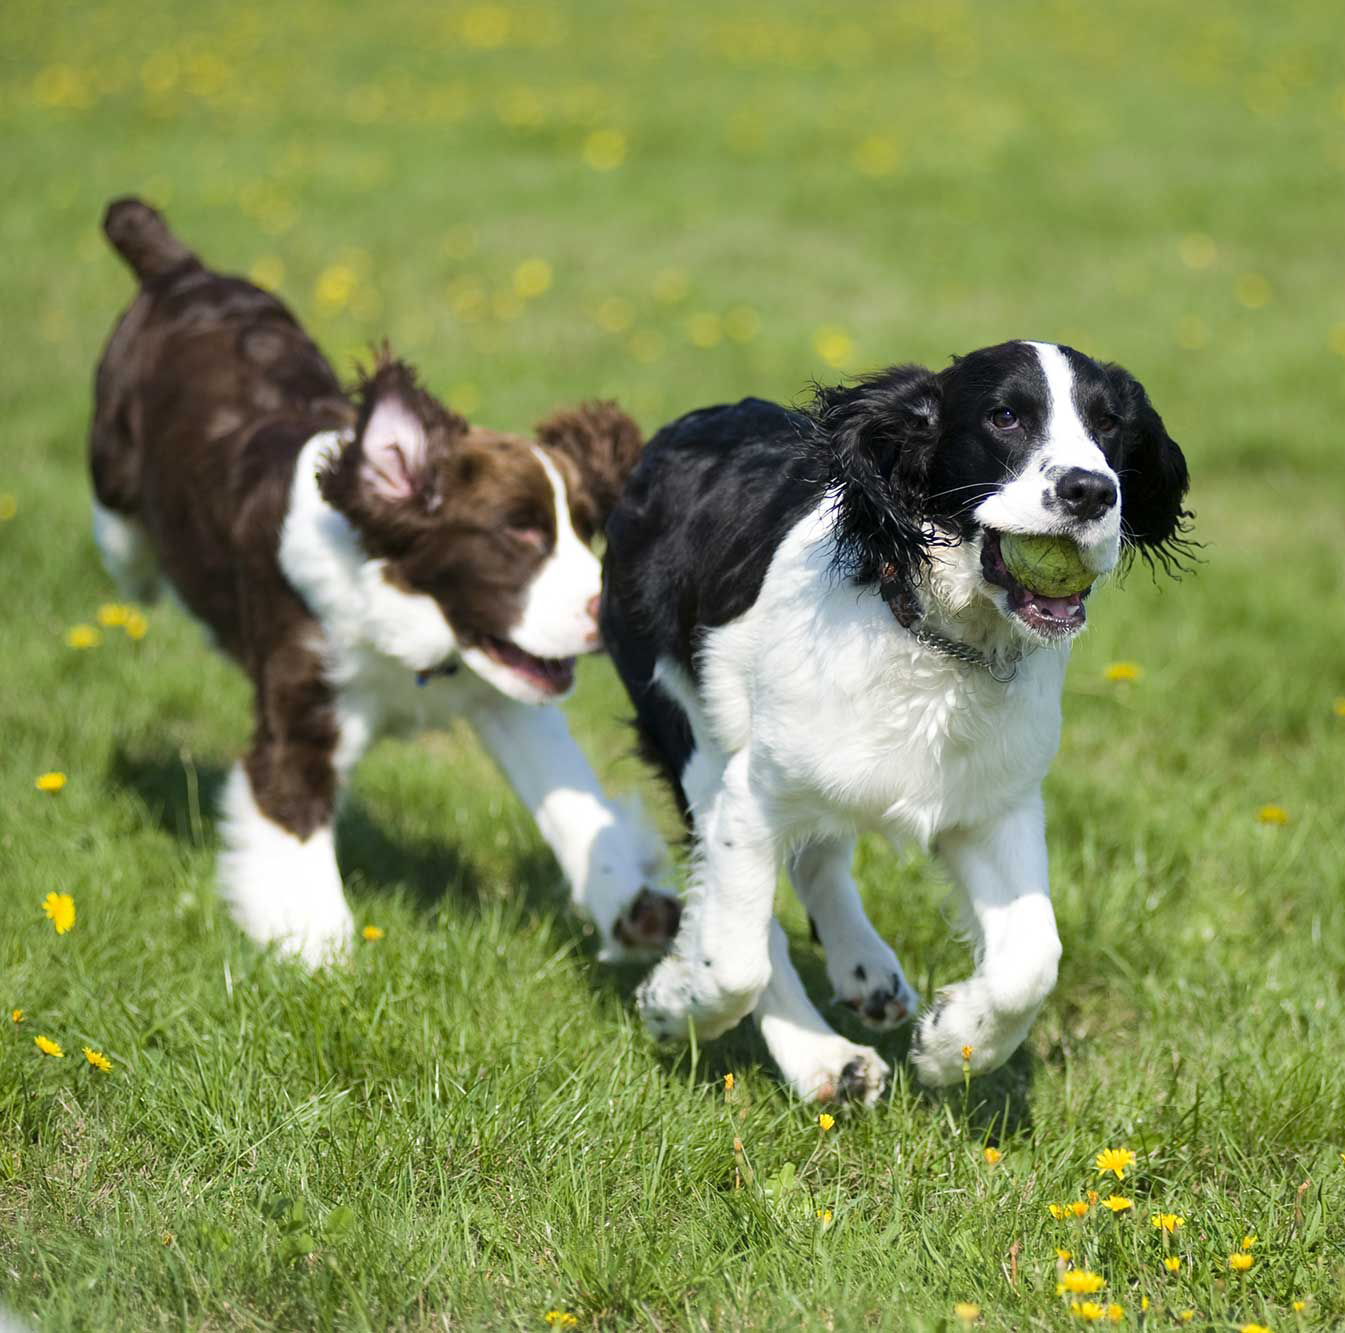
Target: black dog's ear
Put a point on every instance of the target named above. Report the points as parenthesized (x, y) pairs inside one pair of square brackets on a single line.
[(602, 442), (883, 431), (1152, 471)]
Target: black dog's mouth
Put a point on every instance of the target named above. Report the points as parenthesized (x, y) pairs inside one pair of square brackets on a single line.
[(551, 675), (1049, 617)]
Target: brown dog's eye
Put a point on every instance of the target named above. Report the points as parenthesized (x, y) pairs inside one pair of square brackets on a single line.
[(1004, 418), (532, 537)]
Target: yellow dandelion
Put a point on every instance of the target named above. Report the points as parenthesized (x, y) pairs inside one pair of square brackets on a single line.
[(1338, 706), (1172, 1264), (532, 278), (1123, 671), (605, 150), (334, 287), (373, 932), (826, 1121), (9, 506), (1272, 814), (1298, 1306), (16, 1015), (1253, 1328), (1240, 1262), (1093, 1197), (1114, 1160), (1064, 1256), (1079, 1208), (52, 782), (967, 1311), (1118, 1203), (1167, 1221), (1080, 1282), (991, 1155), (1144, 1302), (705, 329), (1087, 1310), (1249, 1241), (1186, 1316), (60, 910), (834, 345), (98, 1060), (48, 1047), (561, 1319), (966, 1053), (1060, 1211), (137, 626), (728, 1082), (113, 615), (1116, 1313), (1252, 290), (82, 636), (824, 1214)]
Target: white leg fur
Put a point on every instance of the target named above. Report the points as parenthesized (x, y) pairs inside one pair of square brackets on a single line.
[(864, 972), (607, 852), (720, 962), (819, 1064), (280, 889), (127, 554), (1001, 870)]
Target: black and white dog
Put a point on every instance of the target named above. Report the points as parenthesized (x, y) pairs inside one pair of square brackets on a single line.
[(373, 564), (811, 614)]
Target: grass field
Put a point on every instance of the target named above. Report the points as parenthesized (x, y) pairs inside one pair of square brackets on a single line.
[(466, 1127)]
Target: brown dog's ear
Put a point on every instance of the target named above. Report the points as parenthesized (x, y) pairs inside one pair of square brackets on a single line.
[(602, 442)]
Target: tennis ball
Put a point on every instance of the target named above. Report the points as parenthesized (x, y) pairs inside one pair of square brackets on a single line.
[(1048, 565)]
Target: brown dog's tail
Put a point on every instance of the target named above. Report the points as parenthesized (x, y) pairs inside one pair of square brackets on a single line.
[(141, 237)]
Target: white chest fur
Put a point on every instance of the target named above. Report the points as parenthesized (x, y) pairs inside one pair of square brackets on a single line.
[(851, 723)]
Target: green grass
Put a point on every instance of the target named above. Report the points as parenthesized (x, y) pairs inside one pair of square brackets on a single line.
[(466, 1128)]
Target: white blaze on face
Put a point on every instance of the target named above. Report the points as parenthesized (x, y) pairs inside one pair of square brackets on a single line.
[(1024, 504), (558, 617)]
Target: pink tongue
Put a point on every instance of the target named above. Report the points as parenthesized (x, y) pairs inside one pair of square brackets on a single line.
[(1062, 608)]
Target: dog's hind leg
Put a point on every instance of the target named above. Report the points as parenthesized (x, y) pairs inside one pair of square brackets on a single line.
[(127, 554), (863, 970), (612, 859), (819, 1064)]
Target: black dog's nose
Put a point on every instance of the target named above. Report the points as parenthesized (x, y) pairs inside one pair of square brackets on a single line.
[(1087, 495)]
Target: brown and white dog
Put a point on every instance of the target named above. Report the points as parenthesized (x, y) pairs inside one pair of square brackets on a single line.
[(373, 564)]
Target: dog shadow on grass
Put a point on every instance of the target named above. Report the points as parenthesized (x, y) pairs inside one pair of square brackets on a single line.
[(181, 798)]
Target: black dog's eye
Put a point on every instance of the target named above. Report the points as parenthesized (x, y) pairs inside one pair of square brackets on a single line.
[(1004, 418), (1106, 423)]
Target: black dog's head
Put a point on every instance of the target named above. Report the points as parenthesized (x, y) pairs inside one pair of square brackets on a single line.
[(1025, 438)]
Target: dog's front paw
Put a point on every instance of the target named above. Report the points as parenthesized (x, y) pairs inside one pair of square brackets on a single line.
[(645, 928), (832, 1069), (876, 990), (680, 994), (315, 938), (962, 1029)]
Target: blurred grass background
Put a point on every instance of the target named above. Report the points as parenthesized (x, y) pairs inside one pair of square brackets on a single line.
[(677, 206)]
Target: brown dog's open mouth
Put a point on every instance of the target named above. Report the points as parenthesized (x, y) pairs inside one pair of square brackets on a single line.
[(1050, 617), (551, 675)]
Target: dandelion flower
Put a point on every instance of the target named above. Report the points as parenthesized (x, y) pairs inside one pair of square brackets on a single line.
[(1060, 1211), (826, 1121), (605, 150), (113, 615), (50, 782), (136, 626), (991, 1155), (1115, 1160), (532, 278), (1338, 707), (1093, 1197), (824, 1215), (1116, 1313), (373, 932), (98, 1060), (1249, 1241), (1186, 1316), (728, 1082), (834, 345), (82, 636), (966, 1052), (1080, 1282), (48, 1047), (1123, 671), (1240, 1262), (561, 1319), (1172, 1264), (1089, 1310), (16, 1015), (967, 1311), (9, 506), (1079, 1208), (1117, 1203), (1298, 1306), (1253, 1328), (1064, 1256), (60, 909), (1272, 814), (1167, 1221)]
